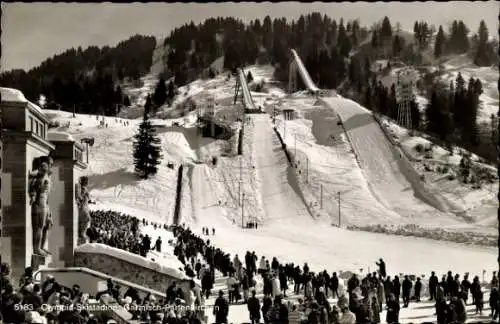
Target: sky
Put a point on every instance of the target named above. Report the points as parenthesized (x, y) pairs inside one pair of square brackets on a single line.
[(33, 32)]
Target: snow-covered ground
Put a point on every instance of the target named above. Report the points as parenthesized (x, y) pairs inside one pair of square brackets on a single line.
[(275, 195), (111, 172), (480, 204)]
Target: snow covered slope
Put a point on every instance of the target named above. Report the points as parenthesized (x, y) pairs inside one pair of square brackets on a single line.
[(280, 193), (113, 183), (396, 188)]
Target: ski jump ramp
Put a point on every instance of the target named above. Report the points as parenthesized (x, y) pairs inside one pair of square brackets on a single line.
[(247, 97), (303, 73), (392, 179)]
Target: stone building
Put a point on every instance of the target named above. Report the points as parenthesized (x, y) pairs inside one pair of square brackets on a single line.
[(25, 138)]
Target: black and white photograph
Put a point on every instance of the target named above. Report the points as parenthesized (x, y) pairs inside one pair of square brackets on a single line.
[(245, 163)]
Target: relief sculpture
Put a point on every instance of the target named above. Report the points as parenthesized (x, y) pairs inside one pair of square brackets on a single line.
[(39, 191), (83, 200)]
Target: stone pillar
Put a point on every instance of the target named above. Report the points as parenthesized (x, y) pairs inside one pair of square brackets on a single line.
[(67, 169), (19, 151)]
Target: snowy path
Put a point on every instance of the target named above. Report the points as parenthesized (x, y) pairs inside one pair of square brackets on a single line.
[(205, 203), (279, 188), (387, 182)]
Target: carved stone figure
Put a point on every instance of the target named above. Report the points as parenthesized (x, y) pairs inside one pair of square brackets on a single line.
[(39, 190), (83, 200)]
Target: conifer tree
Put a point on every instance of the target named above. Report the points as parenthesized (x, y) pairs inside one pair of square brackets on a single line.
[(439, 43), (397, 45), (416, 116), (160, 94), (147, 150), (482, 57)]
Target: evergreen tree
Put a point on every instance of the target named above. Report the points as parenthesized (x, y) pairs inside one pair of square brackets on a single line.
[(171, 91), (392, 103), (462, 38), (439, 43), (397, 45), (437, 117), (375, 40), (386, 30), (160, 93), (482, 57), (126, 101), (147, 150), (368, 98), (343, 41), (416, 116)]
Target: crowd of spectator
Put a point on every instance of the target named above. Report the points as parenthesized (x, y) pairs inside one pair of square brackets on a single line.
[(121, 231), (289, 293), (359, 300), (45, 303)]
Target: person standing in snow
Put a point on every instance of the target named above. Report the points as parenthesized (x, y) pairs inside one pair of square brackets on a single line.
[(213, 231), (305, 269), (267, 303), (466, 286), (334, 285), (381, 268), (393, 308), (283, 281), (158, 244), (479, 301), (253, 305), (380, 294), (418, 289), (396, 288), (275, 286), (236, 263), (433, 284), (197, 293), (407, 285), (221, 309), (231, 281), (494, 302), (262, 265)]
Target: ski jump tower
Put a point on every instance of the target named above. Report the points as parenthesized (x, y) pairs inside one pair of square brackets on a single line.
[(297, 67), (404, 95)]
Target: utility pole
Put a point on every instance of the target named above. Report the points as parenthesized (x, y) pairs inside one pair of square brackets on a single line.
[(321, 200), (307, 169), (242, 206), (295, 146), (340, 220), (284, 129), (239, 182)]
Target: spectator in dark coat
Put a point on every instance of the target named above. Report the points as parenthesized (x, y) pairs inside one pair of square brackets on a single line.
[(418, 289), (267, 303), (381, 268), (407, 285), (433, 283), (494, 302), (254, 308), (393, 308), (221, 309), (396, 288)]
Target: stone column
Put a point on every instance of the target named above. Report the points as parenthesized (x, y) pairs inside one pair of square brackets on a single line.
[(67, 169)]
